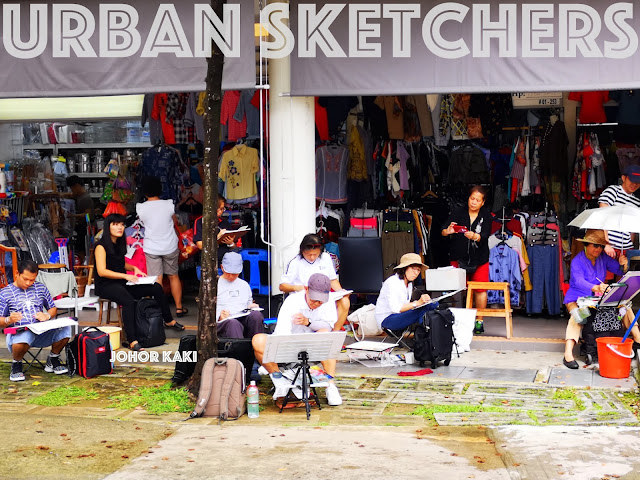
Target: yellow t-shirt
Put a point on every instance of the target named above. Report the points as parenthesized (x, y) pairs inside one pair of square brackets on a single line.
[(237, 169)]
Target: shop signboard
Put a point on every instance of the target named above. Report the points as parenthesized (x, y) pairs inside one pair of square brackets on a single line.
[(537, 99), (104, 47), (428, 46)]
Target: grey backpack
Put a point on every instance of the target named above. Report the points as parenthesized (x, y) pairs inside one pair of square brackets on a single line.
[(222, 390)]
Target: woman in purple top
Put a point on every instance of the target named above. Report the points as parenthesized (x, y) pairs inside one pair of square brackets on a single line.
[(588, 269)]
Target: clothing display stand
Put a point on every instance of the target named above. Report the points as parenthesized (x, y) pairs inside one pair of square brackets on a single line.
[(301, 349)]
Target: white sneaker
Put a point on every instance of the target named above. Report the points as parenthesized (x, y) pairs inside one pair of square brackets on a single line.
[(262, 371), (333, 395)]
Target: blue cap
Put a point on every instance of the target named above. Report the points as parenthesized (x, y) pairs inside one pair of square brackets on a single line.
[(632, 172)]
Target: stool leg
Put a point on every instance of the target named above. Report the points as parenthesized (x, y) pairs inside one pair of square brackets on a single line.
[(507, 312), (109, 312), (470, 297), (100, 306)]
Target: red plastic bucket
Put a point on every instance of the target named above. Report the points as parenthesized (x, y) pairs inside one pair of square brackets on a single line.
[(614, 356)]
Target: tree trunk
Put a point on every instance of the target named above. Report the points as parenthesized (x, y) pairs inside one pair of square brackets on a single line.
[(207, 337)]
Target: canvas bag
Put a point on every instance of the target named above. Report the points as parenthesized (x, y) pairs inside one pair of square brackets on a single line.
[(365, 318), (222, 391)]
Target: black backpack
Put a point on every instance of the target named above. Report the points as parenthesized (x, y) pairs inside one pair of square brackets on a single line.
[(434, 339), (149, 323), (89, 354)]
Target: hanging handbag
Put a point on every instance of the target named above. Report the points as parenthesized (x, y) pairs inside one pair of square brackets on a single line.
[(607, 319)]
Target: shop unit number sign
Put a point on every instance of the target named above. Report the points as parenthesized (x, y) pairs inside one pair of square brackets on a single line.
[(537, 100)]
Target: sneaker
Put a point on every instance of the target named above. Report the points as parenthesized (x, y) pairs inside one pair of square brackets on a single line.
[(262, 371), (54, 366), (333, 395), (479, 328), (16, 372)]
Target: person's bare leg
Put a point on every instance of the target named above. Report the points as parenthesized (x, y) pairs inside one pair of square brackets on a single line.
[(568, 350), (343, 306), (19, 350), (176, 290), (626, 321), (259, 343)]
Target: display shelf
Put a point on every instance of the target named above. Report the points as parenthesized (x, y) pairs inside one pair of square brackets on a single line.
[(95, 195), (90, 174), (87, 146), (38, 146)]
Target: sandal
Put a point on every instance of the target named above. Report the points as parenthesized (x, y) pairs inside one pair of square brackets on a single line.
[(175, 326), (136, 348), (181, 312)]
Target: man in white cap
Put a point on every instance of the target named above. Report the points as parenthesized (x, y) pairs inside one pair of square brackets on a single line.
[(235, 297), (306, 311)]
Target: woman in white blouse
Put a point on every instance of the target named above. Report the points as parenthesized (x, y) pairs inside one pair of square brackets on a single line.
[(394, 308), (313, 259)]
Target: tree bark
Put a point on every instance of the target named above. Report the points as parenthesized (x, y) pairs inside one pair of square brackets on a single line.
[(207, 336)]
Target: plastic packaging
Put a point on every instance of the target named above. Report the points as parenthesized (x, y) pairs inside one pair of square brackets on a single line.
[(253, 400)]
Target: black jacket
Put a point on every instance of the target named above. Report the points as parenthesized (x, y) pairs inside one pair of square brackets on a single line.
[(460, 247)]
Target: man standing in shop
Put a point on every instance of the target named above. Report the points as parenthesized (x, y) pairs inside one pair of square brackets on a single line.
[(621, 195), (84, 207)]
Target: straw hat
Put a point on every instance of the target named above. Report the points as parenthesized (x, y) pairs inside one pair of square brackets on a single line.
[(594, 236), (409, 259)]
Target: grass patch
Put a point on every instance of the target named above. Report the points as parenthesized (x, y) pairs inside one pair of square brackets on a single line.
[(155, 400), (631, 400), (427, 411), (61, 396), (465, 388), (569, 394)]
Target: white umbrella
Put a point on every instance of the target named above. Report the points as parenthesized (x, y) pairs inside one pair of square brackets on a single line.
[(621, 218)]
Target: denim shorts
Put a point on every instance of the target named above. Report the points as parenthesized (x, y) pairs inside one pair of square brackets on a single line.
[(45, 339)]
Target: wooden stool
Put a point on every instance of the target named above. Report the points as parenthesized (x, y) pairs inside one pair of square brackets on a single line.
[(101, 302), (493, 312)]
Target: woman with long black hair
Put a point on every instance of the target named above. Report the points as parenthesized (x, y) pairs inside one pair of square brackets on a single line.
[(112, 272)]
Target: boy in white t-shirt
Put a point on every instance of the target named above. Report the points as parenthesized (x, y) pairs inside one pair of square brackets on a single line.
[(235, 296), (160, 238)]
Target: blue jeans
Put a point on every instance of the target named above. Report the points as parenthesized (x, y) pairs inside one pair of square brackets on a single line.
[(400, 321), (545, 273), (45, 339)]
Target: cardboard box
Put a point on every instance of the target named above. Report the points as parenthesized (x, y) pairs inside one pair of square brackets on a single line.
[(445, 279)]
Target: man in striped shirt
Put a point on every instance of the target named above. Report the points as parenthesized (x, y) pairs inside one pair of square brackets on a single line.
[(23, 302), (621, 195)]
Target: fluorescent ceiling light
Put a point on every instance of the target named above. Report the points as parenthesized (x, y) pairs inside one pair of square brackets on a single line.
[(70, 108)]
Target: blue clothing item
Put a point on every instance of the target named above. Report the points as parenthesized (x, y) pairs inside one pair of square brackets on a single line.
[(163, 162), (504, 266), (28, 302), (402, 320), (585, 275), (629, 106), (45, 339), (544, 271)]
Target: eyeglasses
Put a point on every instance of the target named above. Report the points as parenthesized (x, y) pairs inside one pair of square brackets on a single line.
[(312, 246), (597, 245)]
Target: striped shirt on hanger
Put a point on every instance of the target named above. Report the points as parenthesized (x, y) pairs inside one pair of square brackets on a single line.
[(612, 196)]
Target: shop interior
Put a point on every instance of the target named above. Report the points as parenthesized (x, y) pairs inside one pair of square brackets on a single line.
[(392, 167)]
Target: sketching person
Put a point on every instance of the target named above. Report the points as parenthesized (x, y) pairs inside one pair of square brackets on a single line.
[(313, 259), (305, 311), (23, 302), (234, 296)]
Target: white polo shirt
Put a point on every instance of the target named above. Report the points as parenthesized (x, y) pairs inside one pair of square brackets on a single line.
[(299, 270), (297, 303), (393, 295)]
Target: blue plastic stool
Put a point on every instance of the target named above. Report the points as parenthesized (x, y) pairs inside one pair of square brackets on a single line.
[(256, 269)]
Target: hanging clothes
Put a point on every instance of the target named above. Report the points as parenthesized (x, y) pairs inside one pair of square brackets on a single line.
[(504, 266), (237, 169), (331, 173)]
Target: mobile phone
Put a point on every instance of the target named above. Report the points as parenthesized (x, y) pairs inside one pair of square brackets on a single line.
[(460, 229)]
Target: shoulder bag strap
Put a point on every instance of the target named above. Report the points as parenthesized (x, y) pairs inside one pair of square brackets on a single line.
[(206, 383), (227, 383)]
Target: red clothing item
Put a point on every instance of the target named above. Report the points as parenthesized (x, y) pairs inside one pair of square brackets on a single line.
[(235, 129), (480, 274), (159, 112), (322, 121), (592, 109)]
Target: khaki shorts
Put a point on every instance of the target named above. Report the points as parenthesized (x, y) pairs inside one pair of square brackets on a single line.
[(162, 264)]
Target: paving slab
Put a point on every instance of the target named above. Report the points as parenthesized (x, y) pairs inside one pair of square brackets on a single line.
[(625, 418), (359, 369), (379, 396), (349, 382), (399, 384), (511, 390), (483, 418), (582, 377), (441, 371), (423, 398), (80, 412), (366, 407), (623, 383), (498, 374)]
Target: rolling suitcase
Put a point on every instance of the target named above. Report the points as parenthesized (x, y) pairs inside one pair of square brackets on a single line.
[(434, 339)]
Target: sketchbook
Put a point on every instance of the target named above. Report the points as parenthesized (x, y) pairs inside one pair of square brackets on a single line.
[(150, 280), (240, 232)]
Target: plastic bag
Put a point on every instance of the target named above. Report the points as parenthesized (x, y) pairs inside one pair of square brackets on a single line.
[(112, 169), (122, 196), (107, 193), (186, 245)]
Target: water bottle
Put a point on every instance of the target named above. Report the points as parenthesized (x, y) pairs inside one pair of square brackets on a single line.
[(253, 400)]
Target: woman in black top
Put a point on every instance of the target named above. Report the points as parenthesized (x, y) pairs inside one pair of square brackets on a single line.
[(111, 277), (469, 229)]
